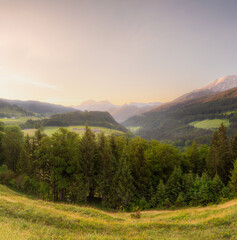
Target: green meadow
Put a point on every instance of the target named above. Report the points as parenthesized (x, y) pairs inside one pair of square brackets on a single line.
[(210, 123), (17, 120), (79, 129), (24, 218), (134, 129)]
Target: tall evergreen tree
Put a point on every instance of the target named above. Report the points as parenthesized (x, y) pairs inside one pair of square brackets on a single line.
[(174, 185), (12, 146), (25, 164), (159, 197), (217, 186), (220, 160), (105, 175), (233, 179), (87, 164), (140, 172), (124, 182)]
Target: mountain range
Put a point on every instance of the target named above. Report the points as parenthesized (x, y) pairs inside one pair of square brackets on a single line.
[(176, 120), (43, 108), (119, 112)]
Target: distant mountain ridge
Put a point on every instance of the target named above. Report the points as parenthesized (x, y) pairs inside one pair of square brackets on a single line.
[(171, 121), (222, 84), (119, 112), (40, 107), (11, 110), (219, 85)]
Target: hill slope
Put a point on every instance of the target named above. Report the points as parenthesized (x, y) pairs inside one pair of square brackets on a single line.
[(25, 218), (172, 121), (11, 110), (40, 107), (93, 118)]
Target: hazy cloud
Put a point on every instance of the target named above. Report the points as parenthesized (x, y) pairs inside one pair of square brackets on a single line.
[(19, 79)]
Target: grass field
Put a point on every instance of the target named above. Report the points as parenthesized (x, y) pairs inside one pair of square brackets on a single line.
[(50, 130), (25, 218), (18, 120), (134, 129), (210, 123)]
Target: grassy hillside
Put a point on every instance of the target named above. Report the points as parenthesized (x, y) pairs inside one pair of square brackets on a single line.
[(51, 130), (210, 124), (25, 218), (18, 120)]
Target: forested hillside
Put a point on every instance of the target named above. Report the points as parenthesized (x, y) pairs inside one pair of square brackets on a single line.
[(9, 110), (119, 172), (173, 121), (93, 118)]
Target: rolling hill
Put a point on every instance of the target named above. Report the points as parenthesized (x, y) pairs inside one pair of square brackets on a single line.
[(42, 108), (22, 217), (11, 110), (93, 118), (173, 121)]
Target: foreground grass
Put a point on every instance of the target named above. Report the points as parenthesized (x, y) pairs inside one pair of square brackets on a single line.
[(25, 218), (210, 124)]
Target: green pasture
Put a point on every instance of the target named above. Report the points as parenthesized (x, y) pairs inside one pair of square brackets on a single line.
[(17, 120), (134, 129), (210, 123), (50, 130)]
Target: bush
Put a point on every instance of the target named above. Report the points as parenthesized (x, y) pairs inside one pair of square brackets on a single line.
[(137, 213), (6, 175)]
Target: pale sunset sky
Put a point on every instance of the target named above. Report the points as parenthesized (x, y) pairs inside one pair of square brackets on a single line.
[(68, 51)]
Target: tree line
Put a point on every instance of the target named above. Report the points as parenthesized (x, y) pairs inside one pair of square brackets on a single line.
[(118, 171)]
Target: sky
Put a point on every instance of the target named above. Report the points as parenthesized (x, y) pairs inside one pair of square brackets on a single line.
[(69, 51)]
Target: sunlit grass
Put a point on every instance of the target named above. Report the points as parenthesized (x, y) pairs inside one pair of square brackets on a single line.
[(17, 120), (25, 218), (210, 123), (79, 130)]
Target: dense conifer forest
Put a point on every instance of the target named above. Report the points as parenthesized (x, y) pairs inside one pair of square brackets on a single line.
[(118, 171)]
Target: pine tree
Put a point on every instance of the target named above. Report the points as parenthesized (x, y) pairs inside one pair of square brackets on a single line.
[(180, 202), (158, 199), (220, 160), (197, 162), (105, 175), (124, 182), (87, 164), (188, 181), (205, 194), (12, 143), (140, 172), (234, 146), (174, 184), (217, 186), (233, 179), (25, 164)]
